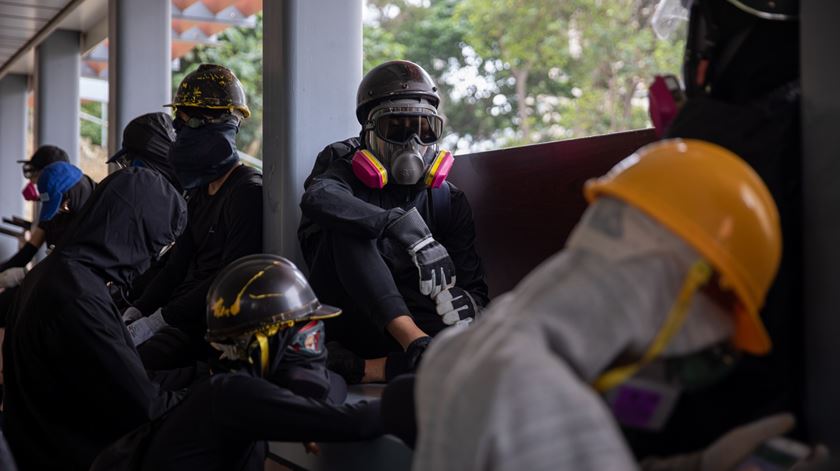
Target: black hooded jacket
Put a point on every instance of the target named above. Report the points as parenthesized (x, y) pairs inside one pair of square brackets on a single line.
[(374, 291), (73, 379)]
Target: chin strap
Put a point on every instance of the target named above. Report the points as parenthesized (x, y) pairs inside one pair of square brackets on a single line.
[(697, 277)]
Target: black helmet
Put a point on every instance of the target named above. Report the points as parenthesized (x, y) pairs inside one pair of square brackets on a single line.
[(769, 9), (213, 87), (394, 80), (258, 293)]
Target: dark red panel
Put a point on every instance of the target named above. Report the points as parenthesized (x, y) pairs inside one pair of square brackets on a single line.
[(527, 199)]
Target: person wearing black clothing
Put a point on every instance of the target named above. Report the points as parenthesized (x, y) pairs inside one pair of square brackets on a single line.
[(741, 75), (73, 380), (67, 189), (146, 142), (385, 236), (225, 219), (271, 383)]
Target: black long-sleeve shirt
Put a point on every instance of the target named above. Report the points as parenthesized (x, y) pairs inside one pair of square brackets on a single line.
[(221, 228), (335, 201), (224, 422)]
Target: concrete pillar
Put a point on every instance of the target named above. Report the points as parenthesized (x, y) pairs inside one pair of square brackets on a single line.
[(310, 80), (821, 197), (58, 65), (12, 148), (139, 62)]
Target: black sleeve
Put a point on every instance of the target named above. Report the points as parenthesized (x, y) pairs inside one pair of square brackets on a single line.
[(112, 366), (367, 279), (170, 276), (459, 240), (254, 409), (242, 219), (21, 258), (330, 202)]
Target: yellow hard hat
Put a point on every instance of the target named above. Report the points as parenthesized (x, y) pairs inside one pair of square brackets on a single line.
[(714, 201)]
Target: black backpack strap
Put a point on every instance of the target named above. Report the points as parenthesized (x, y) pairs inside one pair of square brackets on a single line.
[(441, 206)]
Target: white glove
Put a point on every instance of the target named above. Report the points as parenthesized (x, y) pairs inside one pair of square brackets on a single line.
[(727, 451), (143, 329), (12, 277), (456, 306), (131, 314)]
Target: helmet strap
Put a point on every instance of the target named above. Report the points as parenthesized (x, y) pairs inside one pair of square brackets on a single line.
[(262, 340), (699, 274)]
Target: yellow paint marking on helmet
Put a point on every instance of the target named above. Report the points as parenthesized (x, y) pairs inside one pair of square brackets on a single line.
[(219, 308)]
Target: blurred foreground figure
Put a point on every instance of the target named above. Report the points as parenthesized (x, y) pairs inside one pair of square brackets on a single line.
[(656, 292)]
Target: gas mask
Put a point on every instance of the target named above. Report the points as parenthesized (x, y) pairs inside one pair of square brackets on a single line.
[(204, 150), (30, 192), (400, 141)]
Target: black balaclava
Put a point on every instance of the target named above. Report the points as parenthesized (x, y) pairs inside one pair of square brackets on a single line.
[(204, 153)]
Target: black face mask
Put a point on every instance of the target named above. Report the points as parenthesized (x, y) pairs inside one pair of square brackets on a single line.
[(203, 154)]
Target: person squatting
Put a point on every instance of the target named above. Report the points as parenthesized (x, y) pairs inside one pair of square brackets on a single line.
[(157, 335)]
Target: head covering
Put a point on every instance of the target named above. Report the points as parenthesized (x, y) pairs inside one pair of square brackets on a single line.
[(146, 140), (55, 180), (130, 217), (44, 156)]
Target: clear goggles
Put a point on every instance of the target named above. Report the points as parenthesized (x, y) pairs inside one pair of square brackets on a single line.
[(399, 127)]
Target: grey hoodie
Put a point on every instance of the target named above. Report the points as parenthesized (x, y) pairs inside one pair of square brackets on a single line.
[(513, 391)]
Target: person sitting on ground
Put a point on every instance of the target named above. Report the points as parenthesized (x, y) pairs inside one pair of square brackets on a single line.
[(62, 189), (270, 383), (225, 201), (73, 380), (385, 236)]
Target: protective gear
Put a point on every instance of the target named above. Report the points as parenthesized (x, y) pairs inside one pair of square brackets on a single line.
[(435, 268), (456, 306), (603, 298), (719, 206), (400, 139), (391, 81), (399, 363), (728, 451), (303, 366), (146, 142), (30, 192), (204, 154), (55, 180), (254, 298), (214, 87), (131, 314), (717, 30), (407, 167), (143, 328), (12, 277), (665, 98)]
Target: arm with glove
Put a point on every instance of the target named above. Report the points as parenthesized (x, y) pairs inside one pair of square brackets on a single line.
[(733, 448), (462, 304)]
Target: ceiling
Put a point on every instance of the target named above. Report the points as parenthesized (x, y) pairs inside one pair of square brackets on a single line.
[(25, 23)]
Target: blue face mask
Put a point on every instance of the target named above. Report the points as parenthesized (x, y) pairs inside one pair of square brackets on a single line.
[(203, 154)]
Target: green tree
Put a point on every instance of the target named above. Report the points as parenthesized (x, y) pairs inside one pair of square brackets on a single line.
[(240, 49), (521, 71)]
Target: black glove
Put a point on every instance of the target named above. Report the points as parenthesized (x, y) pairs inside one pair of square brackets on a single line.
[(437, 272), (347, 364), (456, 306), (398, 363)]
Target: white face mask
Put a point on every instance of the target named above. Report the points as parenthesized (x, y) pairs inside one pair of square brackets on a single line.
[(657, 262)]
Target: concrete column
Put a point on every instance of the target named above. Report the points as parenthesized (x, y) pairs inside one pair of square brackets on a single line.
[(821, 225), (310, 80), (139, 62), (58, 65), (12, 148)]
